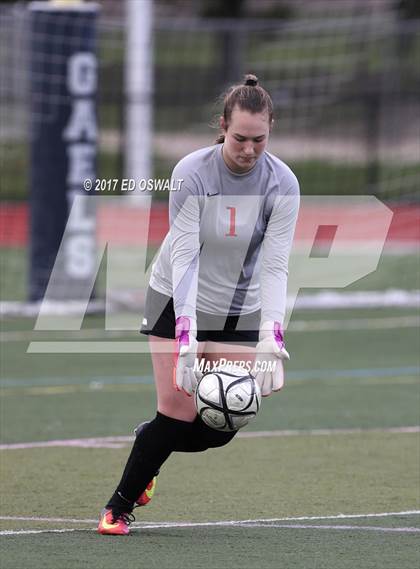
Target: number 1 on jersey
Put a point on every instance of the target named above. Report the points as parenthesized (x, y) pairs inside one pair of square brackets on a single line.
[(232, 222)]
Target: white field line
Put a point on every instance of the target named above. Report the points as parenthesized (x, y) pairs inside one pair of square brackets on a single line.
[(272, 522), (32, 531), (347, 528), (47, 520), (281, 526), (381, 323), (122, 441), (222, 523), (323, 432)]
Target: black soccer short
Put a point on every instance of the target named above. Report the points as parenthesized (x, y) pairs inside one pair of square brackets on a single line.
[(159, 320)]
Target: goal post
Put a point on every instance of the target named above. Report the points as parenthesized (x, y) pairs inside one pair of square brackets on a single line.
[(138, 87)]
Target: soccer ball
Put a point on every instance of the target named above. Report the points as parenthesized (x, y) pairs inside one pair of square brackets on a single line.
[(227, 398)]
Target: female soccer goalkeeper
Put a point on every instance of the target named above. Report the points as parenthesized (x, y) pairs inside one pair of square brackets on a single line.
[(218, 287)]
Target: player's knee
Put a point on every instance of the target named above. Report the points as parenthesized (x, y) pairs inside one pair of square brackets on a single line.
[(183, 412)]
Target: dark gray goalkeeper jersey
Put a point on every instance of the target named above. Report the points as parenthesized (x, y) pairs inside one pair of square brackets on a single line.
[(230, 237)]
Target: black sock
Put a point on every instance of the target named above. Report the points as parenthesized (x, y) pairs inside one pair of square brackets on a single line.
[(150, 450), (201, 437)]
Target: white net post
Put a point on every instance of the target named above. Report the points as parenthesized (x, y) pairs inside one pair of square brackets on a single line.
[(138, 89)]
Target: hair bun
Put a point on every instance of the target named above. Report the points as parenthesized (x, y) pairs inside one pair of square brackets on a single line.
[(251, 80)]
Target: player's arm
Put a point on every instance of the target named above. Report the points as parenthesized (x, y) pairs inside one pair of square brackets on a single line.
[(273, 286), (184, 214)]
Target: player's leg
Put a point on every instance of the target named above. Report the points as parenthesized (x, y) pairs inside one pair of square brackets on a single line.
[(172, 403), (157, 439)]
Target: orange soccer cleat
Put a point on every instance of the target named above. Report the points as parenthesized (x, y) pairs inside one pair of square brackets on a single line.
[(112, 522)]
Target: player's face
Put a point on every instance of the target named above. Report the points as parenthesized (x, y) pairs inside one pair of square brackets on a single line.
[(246, 137)]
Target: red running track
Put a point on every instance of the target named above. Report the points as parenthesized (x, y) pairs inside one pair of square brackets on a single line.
[(124, 224)]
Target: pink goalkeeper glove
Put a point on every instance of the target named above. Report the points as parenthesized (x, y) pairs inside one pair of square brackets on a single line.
[(271, 350), (186, 351)]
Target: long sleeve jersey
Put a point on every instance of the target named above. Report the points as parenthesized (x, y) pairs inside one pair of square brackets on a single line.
[(230, 237)]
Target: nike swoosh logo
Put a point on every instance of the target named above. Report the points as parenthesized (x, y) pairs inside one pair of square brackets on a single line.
[(150, 489), (210, 194), (106, 525)]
